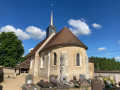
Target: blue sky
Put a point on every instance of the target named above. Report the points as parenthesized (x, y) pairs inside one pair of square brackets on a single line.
[(95, 22)]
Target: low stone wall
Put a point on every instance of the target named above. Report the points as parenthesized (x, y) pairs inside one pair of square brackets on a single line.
[(7, 72), (115, 75)]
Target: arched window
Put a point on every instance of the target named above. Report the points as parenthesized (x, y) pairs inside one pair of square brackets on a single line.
[(55, 58), (77, 59)]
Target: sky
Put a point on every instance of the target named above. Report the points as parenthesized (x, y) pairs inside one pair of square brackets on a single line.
[(95, 22)]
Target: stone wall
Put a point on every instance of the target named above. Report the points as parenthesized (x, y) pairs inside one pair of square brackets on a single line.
[(43, 71), (91, 70), (116, 76), (8, 71), (37, 57), (72, 69), (32, 60)]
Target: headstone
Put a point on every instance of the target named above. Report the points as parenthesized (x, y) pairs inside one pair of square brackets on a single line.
[(74, 78), (42, 81), (96, 84), (29, 85), (64, 79), (29, 79), (100, 78), (82, 76), (53, 78)]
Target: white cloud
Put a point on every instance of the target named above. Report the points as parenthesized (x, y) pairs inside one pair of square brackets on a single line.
[(31, 32), (35, 32), (30, 49), (79, 27), (21, 35), (97, 26), (102, 48), (117, 58), (119, 41)]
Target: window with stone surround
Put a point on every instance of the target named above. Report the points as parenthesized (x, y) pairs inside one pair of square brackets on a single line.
[(55, 59), (77, 59)]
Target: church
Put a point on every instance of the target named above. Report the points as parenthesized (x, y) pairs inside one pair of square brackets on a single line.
[(61, 54)]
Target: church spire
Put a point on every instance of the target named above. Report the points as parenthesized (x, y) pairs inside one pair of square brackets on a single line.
[(51, 20), (51, 28)]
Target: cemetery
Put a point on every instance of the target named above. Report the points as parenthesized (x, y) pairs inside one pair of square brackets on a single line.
[(102, 80), (98, 83)]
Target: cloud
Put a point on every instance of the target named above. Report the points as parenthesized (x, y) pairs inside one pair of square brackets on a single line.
[(31, 32), (97, 26), (119, 41), (102, 48), (35, 32), (79, 27), (18, 32), (117, 58), (30, 49)]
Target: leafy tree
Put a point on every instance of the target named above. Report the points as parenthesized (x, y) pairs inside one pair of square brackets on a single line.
[(11, 49), (108, 64)]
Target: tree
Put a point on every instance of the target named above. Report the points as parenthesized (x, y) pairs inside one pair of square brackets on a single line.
[(11, 49), (108, 64)]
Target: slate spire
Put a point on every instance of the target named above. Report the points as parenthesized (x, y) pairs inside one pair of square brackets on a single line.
[(51, 28)]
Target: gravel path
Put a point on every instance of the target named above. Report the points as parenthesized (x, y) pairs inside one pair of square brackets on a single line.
[(15, 83)]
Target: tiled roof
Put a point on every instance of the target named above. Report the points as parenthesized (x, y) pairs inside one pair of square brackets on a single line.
[(64, 37), (36, 48), (25, 64)]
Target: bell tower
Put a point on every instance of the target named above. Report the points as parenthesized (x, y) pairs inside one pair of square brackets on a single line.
[(51, 28)]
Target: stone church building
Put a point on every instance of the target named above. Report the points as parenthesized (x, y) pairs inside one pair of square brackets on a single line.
[(61, 54)]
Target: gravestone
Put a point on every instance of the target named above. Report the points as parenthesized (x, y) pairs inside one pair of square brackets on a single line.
[(64, 79), (96, 84), (29, 85), (74, 78), (29, 79), (54, 80), (82, 76)]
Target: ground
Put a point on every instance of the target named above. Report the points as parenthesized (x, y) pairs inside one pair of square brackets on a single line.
[(15, 83)]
